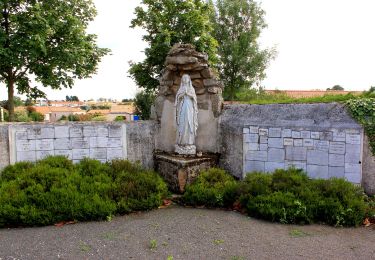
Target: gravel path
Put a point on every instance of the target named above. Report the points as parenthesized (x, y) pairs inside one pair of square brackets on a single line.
[(186, 233)]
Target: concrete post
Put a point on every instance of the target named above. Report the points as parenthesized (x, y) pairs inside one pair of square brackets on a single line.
[(1, 114)]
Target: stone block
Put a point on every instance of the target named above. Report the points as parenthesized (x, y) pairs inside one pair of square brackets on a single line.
[(308, 142), (276, 155), (251, 138), (114, 143), (263, 132), (62, 144), (273, 166), (353, 153), (21, 135), (76, 132), (43, 154), (102, 131), (254, 129), (337, 160), (275, 142), (251, 147), (254, 166), (326, 136), (296, 134), (114, 153), (263, 147), (298, 142), (61, 131), (286, 133), (317, 157), (115, 131), (79, 154), (44, 145), (246, 130), (337, 147), (305, 134), (353, 177), (296, 153), (353, 139), (295, 164), (315, 135), (274, 132), (210, 82), (288, 142), (263, 139), (80, 143), (98, 153), (25, 145), (66, 153), (89, 131), (339, 136), (352, 168), (317, 171), (336, 172), (321, 145), (29, 156), (256, 156)]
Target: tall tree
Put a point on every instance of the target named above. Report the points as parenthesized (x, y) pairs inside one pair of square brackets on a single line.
[(45, 41), (166, 23), (238, 25)]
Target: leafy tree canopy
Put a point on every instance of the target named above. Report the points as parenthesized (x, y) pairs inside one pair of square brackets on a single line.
[(336, 87), (46, 41), (238, 25), (168, 22)]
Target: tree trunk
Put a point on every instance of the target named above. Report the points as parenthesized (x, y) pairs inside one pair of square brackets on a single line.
[(11, 100)]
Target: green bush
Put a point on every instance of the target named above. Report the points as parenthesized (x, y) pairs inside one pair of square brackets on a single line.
[(286, 196), (53, 190), (212, 188), (36, 116), (289, 196)]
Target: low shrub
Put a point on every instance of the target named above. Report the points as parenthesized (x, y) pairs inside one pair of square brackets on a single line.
[(286, 196), (53, 190), (212, 188)]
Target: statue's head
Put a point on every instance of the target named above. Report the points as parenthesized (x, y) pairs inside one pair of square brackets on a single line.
[(186, 80)]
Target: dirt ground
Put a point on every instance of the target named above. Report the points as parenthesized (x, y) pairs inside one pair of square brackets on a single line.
[(186, 233)]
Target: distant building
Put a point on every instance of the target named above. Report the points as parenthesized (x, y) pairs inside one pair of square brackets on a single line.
[(311, 93), (54, 114)]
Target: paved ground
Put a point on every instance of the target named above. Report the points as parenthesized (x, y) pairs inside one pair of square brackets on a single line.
[(185, 233)]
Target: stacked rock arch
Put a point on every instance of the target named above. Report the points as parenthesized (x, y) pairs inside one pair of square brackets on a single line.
[(184, 59)]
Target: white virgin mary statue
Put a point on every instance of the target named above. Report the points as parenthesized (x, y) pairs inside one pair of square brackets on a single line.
[(187, 117)]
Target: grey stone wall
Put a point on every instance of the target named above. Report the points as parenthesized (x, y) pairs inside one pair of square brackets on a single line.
[(141, 142), (4, 145), (99, 140), (368, 168), (320, 138)]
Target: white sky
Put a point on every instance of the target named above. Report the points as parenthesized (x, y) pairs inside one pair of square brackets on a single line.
[(320, 43)]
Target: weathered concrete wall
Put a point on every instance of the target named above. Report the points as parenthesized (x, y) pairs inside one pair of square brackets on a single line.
[(141, 142), (326, 139), (4, 145), (99, 140), (368, 180)]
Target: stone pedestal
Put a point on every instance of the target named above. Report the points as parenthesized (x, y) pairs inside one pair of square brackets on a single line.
[(178, 170)]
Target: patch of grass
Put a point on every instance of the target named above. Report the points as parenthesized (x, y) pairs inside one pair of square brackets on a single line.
[(298, 233), (237, 258), (109, 236), (84, 247), (218, 241), (170, 257), (153, 244)]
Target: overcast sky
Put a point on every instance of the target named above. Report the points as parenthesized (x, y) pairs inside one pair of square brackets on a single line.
[(320, 43)]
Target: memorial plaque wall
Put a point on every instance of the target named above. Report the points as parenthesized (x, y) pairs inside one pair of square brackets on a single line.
[(31, 143), (323, 154)]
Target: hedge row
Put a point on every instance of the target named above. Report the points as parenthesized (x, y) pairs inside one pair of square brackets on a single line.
[(54, 190), (286, 196)]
